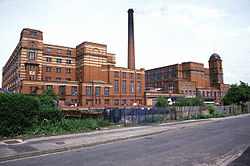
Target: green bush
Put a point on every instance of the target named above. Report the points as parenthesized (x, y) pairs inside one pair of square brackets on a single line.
[(49, 113), (161, 102), (196, 101), (48, 98), (211, 108), (47, 127), (17, 112)]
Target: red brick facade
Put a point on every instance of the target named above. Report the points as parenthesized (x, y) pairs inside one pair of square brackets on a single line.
[(190, 79), (85, 75)]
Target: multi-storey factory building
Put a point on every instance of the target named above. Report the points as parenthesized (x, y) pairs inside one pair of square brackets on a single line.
[(190, 79), (85, 75)]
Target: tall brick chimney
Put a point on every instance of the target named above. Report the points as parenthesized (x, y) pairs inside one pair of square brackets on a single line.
[(131, 48)]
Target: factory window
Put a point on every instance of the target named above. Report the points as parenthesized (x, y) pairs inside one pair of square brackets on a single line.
[(32, 44), (58, 79), (88, 90), (138, 76), (207, 94), (68, 79), (58, 70), (49, 87), (33, 90), (88, 101), (49, 49), (59, 51), (48, 59), (33, 33), (139, 87), (132, 75), (131, 102), (132, 87), (181, 86), (98, 91), (48, 69), (165, 70), (106, 91), (116, 86), (48, 78), (124, 75), (68, 70), (62, 90), (32, 67), (124, 86), (59, 60), (32, 55), (116, 74), (189, 86), (97, 101), (68, 52), (116, 102), (68, 61), (124, 101), (106, 101)]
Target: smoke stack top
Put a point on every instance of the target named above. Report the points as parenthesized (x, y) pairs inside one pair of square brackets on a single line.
[(131, 49)]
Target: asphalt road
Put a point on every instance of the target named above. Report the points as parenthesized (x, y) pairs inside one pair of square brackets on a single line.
[(214, 144)]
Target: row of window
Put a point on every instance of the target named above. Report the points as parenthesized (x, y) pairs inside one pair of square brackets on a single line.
[(62, 89), (124, 75), (164, 70), (97, 91), (124, 86), (116, 101), (57, 79), (32, 56), (187, 86), (160, 77), (58, 70), (58, 60), (58, 51)]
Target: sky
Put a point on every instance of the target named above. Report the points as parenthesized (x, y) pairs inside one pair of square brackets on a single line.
[(166, 31)]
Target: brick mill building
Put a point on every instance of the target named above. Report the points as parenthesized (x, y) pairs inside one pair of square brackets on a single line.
[(85, 75), (190, 79)]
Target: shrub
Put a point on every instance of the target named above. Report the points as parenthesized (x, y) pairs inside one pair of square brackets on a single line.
[(161, 102), (197, 101), (17, 112), (47, 127), (211, 108), (49, 113)]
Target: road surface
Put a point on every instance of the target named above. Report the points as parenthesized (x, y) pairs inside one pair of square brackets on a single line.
[(217, 143)]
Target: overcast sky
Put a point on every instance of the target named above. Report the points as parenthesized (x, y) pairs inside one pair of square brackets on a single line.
[(166, 31)]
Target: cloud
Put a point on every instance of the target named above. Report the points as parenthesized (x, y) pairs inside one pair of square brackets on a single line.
[(210, 32), (203, 12), (207, 33), (180, 20), (248, 29)]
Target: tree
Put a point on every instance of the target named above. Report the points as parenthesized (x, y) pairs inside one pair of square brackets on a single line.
[(237, 94), (17, 112), (48, 98), (197, 101), (161, 102)]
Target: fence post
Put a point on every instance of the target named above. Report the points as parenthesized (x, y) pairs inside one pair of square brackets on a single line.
[(132, 115), (153, 113), (124, 115), (171, 112), (139, 116), (145, 110)]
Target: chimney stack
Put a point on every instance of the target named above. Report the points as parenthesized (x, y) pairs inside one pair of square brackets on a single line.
[(131, 49)]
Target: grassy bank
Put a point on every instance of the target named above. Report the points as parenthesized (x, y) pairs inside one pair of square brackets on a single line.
[(65, 126)]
